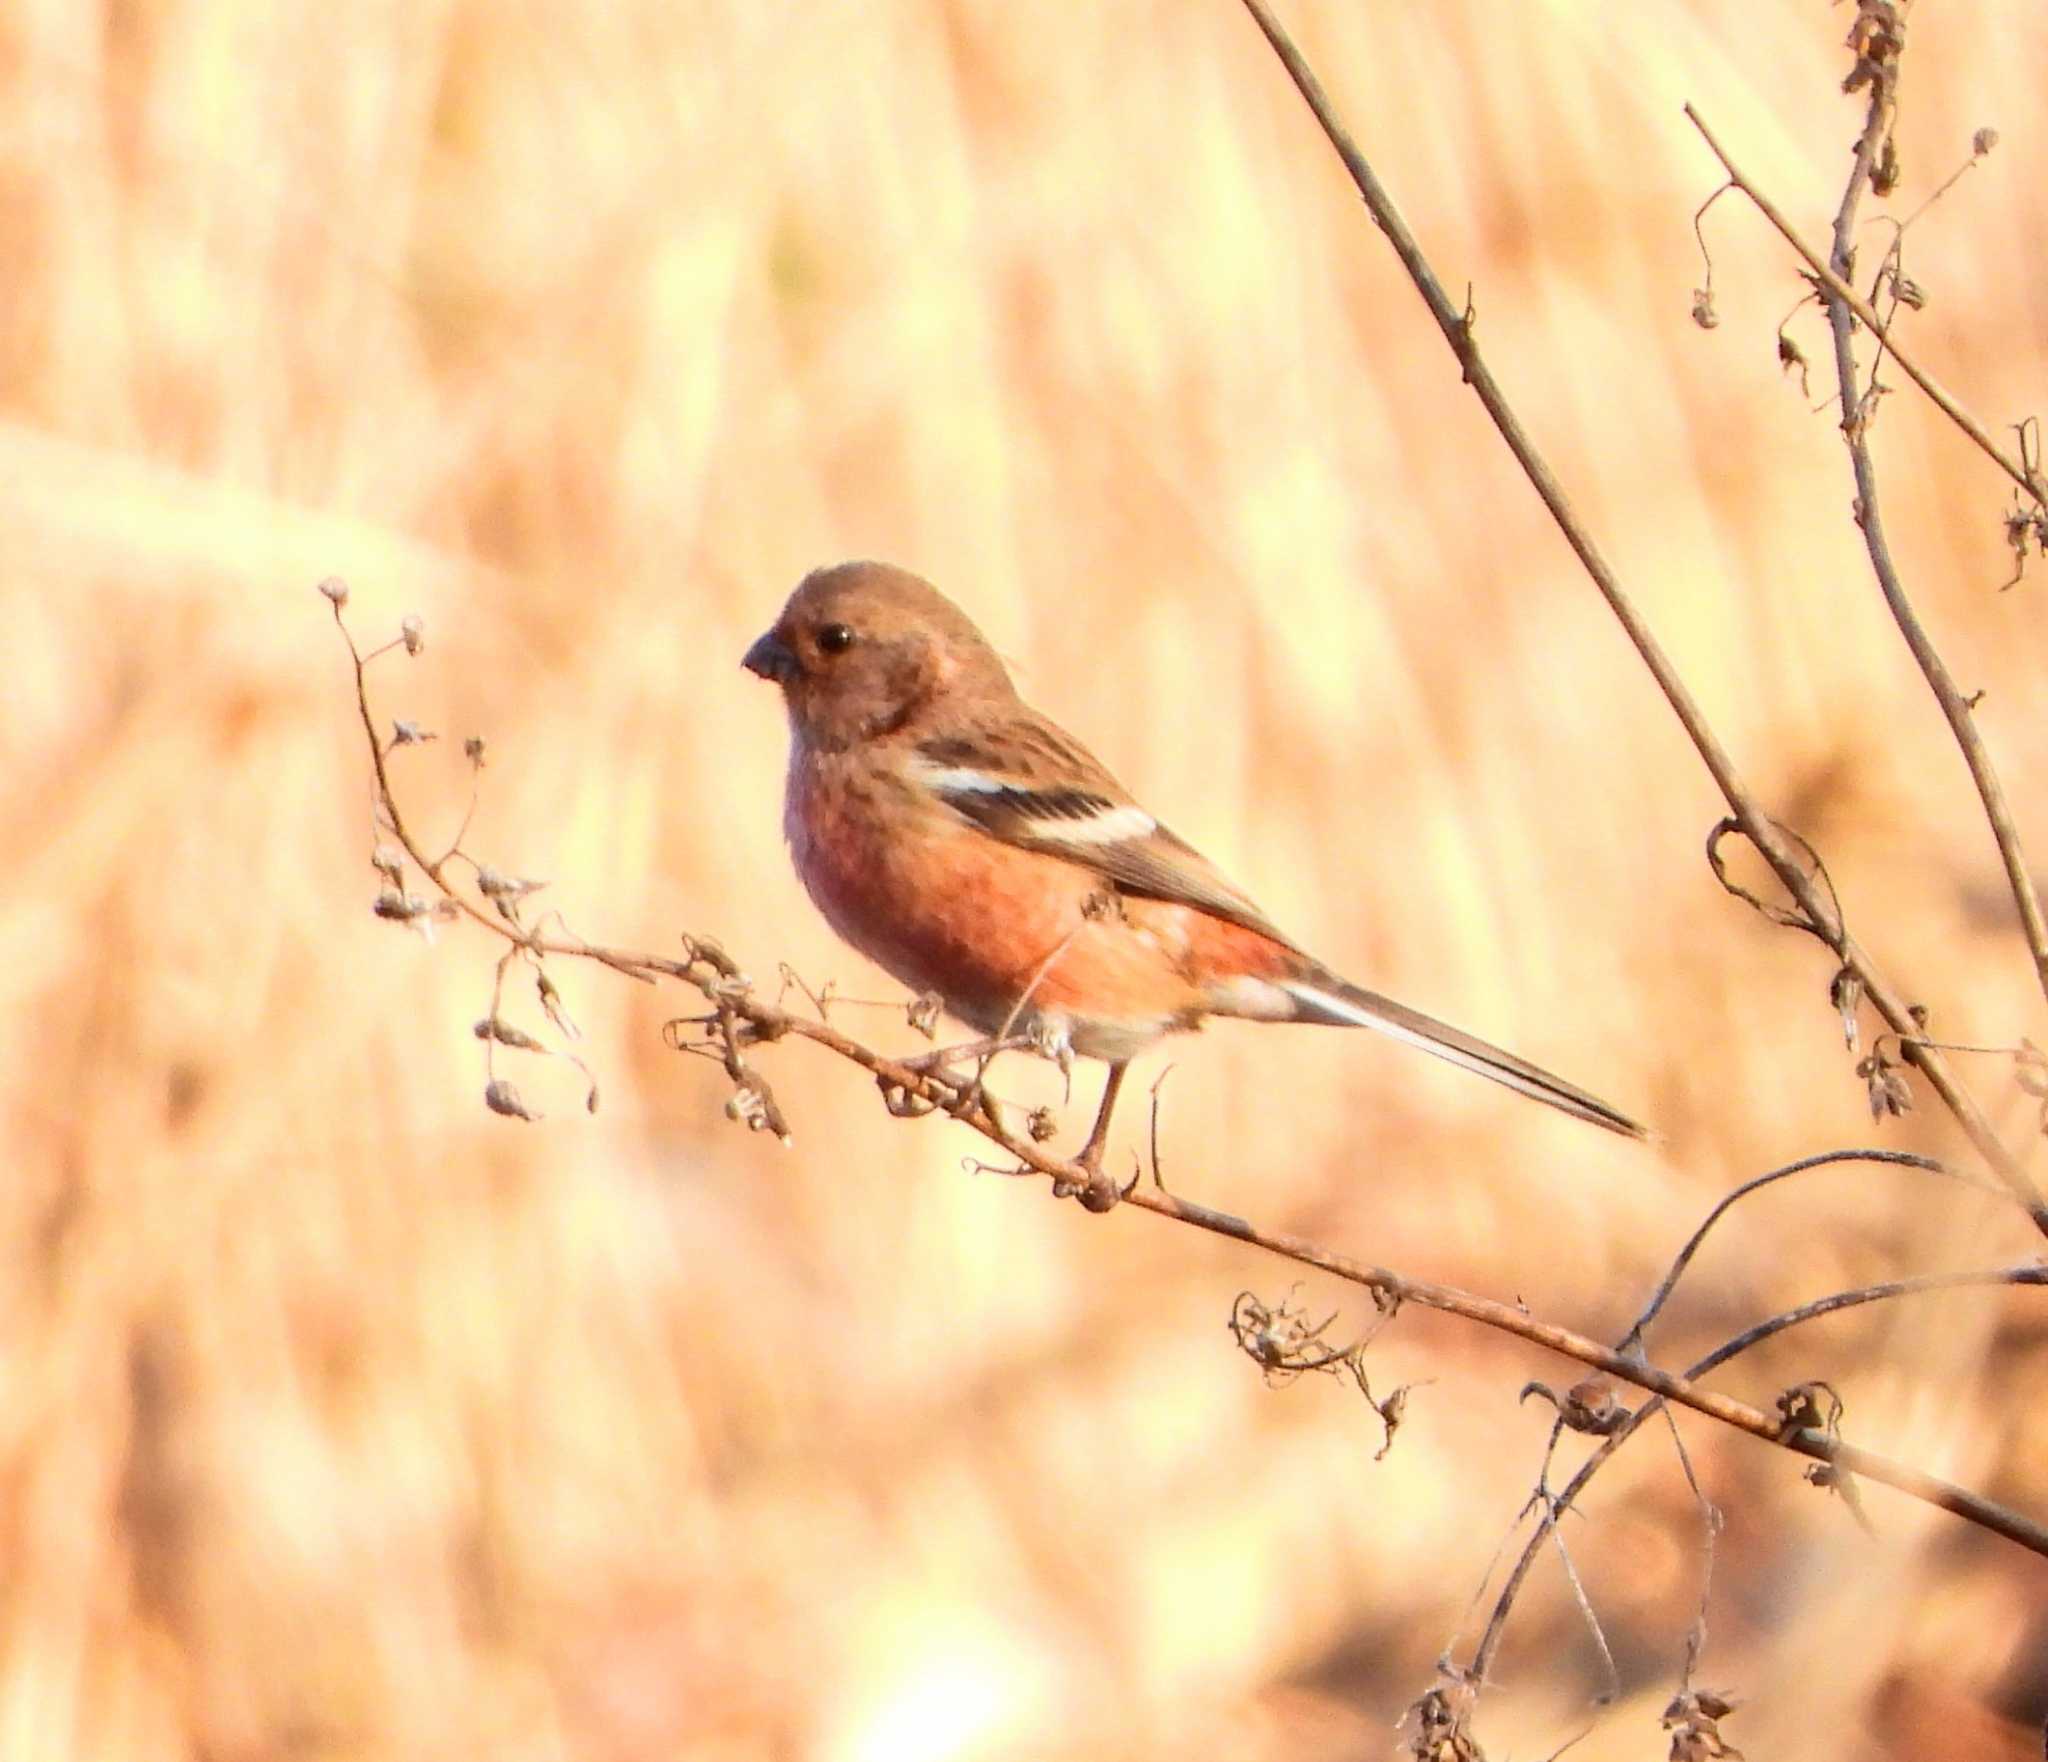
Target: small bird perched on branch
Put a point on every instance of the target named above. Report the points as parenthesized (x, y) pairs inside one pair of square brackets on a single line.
[(976, 851)]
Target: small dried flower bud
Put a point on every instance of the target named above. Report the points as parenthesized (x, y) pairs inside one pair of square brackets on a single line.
[(336, 590), (473, 750), (1845, 992), (1392, 1411), (557, 1012), (497, 885), (413, 633), (1982, 142), (924, 1014), (401, 908), (1042, 1124), (1910, 292), (410, 734), (749, 1107), (500, 1097), (1898, 1094), (1265, 1346), (1696, 1729), (1590, 1405), (1703, 313), (498, 1029), (1813, 1406), (389, 863), (1872, 1071)]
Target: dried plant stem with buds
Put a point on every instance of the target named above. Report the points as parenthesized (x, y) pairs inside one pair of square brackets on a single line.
[(737, 1019), (1876, 41), (1847, 312), (1787, 856), (1834, 287)]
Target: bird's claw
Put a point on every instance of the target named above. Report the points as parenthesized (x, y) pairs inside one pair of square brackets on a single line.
[(1097, 1190)]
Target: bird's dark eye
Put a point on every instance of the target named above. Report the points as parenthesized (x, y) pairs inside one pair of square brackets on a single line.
[(835, 639)]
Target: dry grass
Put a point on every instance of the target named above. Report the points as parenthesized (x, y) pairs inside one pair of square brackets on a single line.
[(341, 1420)]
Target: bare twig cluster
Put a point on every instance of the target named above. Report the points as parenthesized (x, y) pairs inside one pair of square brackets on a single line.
[(1876, 43), (1789, 857)]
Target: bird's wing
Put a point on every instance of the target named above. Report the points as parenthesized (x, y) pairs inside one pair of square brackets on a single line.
[(1030, 784)]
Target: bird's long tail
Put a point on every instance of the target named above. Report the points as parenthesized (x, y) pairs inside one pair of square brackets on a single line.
[(1320, 996)]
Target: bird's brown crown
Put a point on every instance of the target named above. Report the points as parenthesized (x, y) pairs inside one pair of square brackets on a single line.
[(864, 650)]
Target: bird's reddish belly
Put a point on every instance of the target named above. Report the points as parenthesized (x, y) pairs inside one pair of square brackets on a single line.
[(1003, 935)]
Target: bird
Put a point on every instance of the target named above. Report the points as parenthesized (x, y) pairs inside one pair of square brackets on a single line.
[(977, 852)]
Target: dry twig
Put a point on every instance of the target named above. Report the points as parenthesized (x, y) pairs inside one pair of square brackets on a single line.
[(1846, 311)]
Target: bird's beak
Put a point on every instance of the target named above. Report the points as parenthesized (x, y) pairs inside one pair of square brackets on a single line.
[(772, 658)]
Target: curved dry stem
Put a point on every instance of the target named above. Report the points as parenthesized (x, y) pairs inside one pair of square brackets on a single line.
[(2029, 1273), (1858, 406), (1827, 1158)]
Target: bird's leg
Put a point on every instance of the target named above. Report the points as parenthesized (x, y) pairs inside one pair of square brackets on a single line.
[(1101, 1192)]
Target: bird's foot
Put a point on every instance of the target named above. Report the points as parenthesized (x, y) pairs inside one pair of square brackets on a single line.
[(1097, 1190)]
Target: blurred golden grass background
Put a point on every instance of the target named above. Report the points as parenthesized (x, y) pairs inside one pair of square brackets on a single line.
[(339, 1419)]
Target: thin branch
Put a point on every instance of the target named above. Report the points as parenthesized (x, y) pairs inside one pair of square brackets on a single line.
[(1899, 1158), (1711, 1525), (1759, 828), (1612, 1692), (2028, 1273), (1845, 311), (2030, 480)]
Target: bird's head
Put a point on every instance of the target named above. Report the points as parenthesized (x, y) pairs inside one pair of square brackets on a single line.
[(864, 650)]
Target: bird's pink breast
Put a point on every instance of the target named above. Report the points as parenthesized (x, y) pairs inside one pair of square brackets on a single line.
[(1006, 936)]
